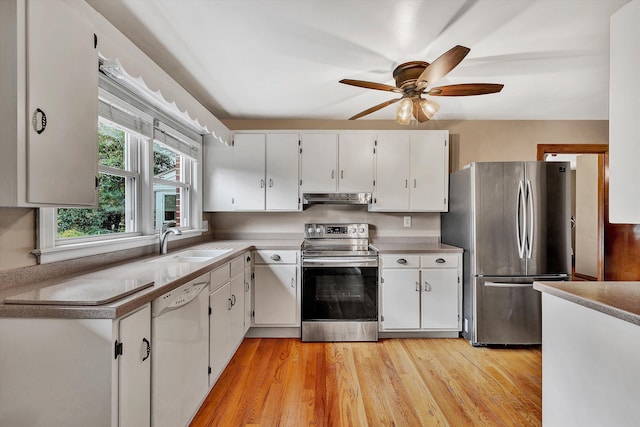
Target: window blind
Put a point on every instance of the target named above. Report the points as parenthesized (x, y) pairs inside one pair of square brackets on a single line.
[(119, 112), (175, 140)]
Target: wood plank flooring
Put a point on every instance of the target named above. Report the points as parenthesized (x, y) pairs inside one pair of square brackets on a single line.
[(394, 382)]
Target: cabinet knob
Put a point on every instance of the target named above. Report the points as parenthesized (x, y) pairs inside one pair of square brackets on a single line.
[(401, 261), (275, 257), (440, 261)]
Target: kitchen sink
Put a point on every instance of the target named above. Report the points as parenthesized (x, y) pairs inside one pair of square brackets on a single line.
[(192, 255)]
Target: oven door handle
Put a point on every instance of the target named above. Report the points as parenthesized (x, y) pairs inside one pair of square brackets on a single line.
[(324, 262)]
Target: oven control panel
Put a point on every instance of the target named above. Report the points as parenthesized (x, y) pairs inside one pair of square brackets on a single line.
[(336, 231)]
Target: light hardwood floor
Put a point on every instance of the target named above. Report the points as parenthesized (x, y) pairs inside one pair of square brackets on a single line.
[(394, 382)]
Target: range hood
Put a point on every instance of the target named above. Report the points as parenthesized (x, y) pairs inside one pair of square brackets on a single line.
[(336, 198)]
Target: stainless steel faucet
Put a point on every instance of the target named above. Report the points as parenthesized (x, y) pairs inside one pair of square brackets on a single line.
[(167, 228)]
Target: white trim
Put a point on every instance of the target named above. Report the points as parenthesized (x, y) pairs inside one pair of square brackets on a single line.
[(78, 250)]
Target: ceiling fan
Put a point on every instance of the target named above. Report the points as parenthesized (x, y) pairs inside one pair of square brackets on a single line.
[(416, 78)]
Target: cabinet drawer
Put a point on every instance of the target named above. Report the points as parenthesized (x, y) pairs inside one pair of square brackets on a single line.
[(400, 261), (220, 276), (270, 256), (237, 266), (439, 261)]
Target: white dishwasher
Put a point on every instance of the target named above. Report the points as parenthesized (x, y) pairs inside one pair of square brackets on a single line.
[(180, 349)]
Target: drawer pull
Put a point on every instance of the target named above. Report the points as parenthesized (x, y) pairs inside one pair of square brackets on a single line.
[(401, 261), (417, 286), (440, 261), (427, 286), (275, 257)]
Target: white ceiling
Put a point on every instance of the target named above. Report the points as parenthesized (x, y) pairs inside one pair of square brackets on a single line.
[(282, 59)]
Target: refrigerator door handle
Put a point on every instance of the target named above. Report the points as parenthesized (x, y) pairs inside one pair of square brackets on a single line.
[(520, 213), (531, 218), (508, 285)]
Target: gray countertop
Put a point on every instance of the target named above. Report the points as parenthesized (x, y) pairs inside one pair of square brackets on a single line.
[(166, 277), (413, 247), (617, 299)]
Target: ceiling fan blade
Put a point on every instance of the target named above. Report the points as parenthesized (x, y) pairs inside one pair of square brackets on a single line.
[(374, 108), (371, 85), (418, 113), (442, 65), (466, 89)]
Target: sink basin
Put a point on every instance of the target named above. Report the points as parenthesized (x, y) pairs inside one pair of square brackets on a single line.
[(192, 255)]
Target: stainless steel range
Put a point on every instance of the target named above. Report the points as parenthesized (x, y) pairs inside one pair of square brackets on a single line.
[(339, 283)]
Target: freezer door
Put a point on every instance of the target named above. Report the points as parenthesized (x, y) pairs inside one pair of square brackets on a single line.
[(507, 311), (548, 231), (499, 219)]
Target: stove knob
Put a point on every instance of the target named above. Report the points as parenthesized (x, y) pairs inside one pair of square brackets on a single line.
[(310, 230), (361, 230), (318, 230), (352, 231)]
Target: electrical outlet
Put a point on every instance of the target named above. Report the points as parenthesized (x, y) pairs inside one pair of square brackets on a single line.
[(407, 221)]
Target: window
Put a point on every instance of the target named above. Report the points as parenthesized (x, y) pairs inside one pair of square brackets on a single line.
[(148, 175)]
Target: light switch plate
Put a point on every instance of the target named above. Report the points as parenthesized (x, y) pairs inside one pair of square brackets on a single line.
[(407, 221)]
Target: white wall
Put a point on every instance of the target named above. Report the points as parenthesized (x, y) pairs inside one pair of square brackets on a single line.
[(586, 246)]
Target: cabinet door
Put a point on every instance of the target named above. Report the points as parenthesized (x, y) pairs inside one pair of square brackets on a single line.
[(318, 163), (440, 299), (62, 84), (401, 299), (236, 329), (355, 163), (275, 292), (248, 171), (219, 325), (218, 177), (134, 369), (282, 172), (392, 173), (429, 171), (248, 301)]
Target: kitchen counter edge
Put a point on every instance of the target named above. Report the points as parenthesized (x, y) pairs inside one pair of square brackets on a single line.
[(427, 247), (618, 299)]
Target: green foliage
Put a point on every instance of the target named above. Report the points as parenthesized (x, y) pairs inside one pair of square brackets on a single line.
[(164, 160)]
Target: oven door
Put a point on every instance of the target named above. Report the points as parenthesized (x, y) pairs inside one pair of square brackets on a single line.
[(339, 292)]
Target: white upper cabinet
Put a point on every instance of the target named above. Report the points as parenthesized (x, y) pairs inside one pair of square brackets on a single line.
[(282, 172), (249, 171), (259, 172), (319, 161), (412, 172), (49, 105), (624, 110), (337, 163), (355, 161)]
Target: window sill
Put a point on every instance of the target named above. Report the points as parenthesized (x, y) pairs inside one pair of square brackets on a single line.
[(84, 249)]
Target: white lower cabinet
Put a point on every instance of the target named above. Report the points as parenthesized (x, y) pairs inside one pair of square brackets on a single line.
[(276, 296), (226, 315), (76, 372), (421, 292), (248, 286)]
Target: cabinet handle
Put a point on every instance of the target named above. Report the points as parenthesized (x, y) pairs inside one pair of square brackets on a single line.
[(246, 286), (415, 182), (42, 121), (248, 259), (233, 300), (293, 282), (401, 261), (427, 286), (275, 257), (417, 286), (270, 182), (406, 183), (342, 174), (262, 183), (333, 174), (148, 345), (229, 304), (441, 260)]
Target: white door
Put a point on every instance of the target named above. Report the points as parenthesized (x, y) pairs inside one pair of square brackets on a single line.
[(319, 162), (62, 80), (248, 301), (282, 172), (218, 177), (134, 369), (429, 171), (275, 295), (355, 163), (248, 171), (392, 173), (219, 325), (401, 299), (440, 299), (236, 328)]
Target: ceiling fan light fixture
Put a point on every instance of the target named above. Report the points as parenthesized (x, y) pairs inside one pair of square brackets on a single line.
[(429, 107), (403, 113)]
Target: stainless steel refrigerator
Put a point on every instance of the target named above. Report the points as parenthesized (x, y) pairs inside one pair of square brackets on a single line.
[(513, 221)]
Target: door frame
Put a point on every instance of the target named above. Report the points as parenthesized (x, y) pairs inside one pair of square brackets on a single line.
[(602, 150)]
